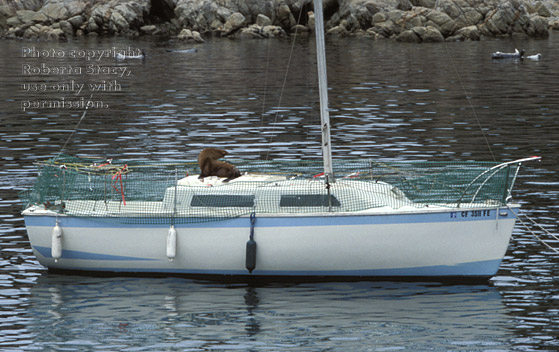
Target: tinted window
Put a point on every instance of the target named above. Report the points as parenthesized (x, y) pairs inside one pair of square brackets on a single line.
[(308, 200), (214, 200)]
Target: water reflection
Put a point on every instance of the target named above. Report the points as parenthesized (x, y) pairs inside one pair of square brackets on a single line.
[(120, 313)]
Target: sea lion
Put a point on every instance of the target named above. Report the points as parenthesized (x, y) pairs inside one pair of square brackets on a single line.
[(211, 166)]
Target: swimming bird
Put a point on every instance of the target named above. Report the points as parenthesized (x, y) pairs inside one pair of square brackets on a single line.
[(122, 57), (536, 57), (183, 51)]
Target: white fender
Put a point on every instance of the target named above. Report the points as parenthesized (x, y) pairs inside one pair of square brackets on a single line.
[(56, 247), (171, 243)]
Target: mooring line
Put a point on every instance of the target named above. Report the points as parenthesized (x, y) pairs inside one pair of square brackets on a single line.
[(533, 233)]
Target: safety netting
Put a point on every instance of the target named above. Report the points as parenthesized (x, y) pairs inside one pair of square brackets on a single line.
[(163, 192)]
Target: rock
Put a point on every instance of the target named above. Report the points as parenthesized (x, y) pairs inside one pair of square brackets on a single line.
[(252, 32), (100, 15), (432, 35), (542, 10), (197, 37), (500, 21), (55, 11), (299, 29), (376, 18), (442, 22), (8, 8), (75, 8), (461, 12), (148, 30), (32, 31), (92, 26), (262, 20), (117, 22), (187, 34), (339, 31), (385, 29), (56, 35), (13, 22), (273, 32), (285, 17), (512, 18), (38, 31), (310, 22), (379, 17), (257, 32), (129, 14), (12, 33), (419, 30), (468, 33), (200, 15), (76, 21), (408, 36), (424, 3), (40, 18), (26, 16), (233, 23), (417, 21), (66, 28), (537, 27), (404, 5)]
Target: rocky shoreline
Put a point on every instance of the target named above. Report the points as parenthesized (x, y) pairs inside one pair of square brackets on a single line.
[(193, 20)]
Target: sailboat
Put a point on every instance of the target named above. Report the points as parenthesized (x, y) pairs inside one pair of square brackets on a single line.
[(352, 218)]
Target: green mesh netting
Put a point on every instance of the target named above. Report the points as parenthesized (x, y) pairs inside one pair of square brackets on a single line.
[(153, 192)]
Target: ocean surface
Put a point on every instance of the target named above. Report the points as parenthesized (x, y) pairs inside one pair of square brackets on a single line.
[(258, 99)]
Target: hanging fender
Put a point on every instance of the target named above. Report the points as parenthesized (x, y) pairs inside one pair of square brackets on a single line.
[(56, 244), (251, 246), (171, 243)]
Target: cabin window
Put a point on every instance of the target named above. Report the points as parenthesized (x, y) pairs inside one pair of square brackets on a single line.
[(308, 200), (215, 200)]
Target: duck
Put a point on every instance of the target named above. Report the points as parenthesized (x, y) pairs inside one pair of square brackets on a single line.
[(536, 57), (122, 57), (183, 51)]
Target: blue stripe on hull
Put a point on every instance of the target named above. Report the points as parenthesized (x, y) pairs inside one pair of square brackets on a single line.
[(266, 221), (476, 269), (70, 254)]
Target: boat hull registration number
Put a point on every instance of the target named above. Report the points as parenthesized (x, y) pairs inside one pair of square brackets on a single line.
[(470, 214)]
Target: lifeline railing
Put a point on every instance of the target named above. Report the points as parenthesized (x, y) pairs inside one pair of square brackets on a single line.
[(492, 171)]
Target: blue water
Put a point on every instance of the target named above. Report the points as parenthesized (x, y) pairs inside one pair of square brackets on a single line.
[(388, 100)]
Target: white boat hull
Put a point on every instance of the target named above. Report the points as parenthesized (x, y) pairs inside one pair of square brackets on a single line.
[(420, 243)]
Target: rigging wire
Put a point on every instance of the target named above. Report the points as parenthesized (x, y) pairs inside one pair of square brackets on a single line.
[(75, 128), (469, 99), (284, 81), (468, 96), (265, 84)]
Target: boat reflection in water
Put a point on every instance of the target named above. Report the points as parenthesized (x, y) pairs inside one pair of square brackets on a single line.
[(88, 312)]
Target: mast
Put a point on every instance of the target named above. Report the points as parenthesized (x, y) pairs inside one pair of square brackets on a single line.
[(323, 90)]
